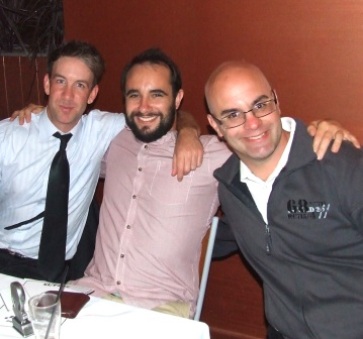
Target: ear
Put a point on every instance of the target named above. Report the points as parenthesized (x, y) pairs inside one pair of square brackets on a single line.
[(214, 125), (179, 98), (46, 84), (92, 96), (277, 101)]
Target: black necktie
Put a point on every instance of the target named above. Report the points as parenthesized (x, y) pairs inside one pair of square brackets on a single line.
[(52, 247)]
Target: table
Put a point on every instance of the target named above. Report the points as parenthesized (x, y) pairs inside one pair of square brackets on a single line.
[(103, 319)]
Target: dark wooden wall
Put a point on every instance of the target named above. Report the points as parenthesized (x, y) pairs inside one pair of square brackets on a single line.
[(21, 82)]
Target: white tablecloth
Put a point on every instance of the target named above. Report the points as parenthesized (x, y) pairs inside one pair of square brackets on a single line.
[(104, 319)]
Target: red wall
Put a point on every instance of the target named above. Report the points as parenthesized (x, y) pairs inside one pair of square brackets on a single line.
[(311, 50)]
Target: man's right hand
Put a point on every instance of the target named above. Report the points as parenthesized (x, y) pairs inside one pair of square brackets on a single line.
[(25, 113)]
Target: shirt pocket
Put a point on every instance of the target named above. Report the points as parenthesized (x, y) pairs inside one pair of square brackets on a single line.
[(167, 189)]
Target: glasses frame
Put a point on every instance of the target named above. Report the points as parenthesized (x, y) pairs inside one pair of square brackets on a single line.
[(221, 121)]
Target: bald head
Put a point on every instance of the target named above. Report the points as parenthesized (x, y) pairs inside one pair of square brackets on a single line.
[(245, 112), (230, 74)]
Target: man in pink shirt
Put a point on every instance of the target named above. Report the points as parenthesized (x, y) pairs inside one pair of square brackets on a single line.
[(151, 225)]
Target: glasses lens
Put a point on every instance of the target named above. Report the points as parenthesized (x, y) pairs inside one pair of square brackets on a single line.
[(234, 120), (260, 110), (264, 108)]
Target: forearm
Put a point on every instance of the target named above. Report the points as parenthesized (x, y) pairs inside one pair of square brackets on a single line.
[(188, 153), (185, 120)]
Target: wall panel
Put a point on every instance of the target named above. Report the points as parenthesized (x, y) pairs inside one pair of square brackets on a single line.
[(21, 82)]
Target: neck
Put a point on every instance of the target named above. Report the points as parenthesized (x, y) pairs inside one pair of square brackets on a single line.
[(62, 127)]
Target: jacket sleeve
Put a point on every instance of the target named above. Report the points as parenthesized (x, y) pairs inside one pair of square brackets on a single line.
[(225, 244)]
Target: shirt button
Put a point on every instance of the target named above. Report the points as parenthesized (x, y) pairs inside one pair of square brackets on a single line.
[(118, 282), (140, 169), (134, 196), (122, 256), (128, 227), (145, 146)]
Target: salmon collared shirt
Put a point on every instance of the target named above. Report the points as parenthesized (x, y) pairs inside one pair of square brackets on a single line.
[(151, 226)]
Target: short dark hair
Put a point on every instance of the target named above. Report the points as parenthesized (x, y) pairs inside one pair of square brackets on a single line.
[(154, 56), (82, 50)]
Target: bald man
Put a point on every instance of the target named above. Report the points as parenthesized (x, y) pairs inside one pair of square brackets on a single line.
[(297, 220)]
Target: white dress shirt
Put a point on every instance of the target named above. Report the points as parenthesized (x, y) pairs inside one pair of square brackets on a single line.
[(26, 153)]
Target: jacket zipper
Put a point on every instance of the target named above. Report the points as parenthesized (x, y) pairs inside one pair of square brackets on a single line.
[(268, 239)]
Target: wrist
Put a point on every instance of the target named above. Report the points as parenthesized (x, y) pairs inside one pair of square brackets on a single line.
[(190, 131)]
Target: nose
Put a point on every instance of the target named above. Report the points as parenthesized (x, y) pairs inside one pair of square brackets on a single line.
[(67, 92), (251, 121), (144, 105)]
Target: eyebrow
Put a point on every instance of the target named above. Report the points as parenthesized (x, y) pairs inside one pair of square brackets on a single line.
[(226, 112), (259, 99), (153, 91), (158, 91), (57, 75), (131, 91), (254, 103)]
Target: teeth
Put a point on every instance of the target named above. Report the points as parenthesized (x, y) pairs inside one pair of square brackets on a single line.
[(147, 118), (257, 136)]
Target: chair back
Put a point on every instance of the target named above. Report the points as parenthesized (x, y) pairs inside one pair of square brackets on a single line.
[(204, 264)]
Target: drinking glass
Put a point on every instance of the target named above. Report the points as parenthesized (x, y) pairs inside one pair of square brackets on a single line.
[(44, 309)]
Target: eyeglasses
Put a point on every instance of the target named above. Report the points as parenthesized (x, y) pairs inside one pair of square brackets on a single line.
[(237, 118)]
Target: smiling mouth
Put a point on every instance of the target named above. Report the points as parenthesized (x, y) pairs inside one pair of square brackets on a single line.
[(257, 137), (147, 118)]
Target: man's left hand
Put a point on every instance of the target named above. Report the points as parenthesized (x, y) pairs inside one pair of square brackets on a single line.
[(188, 154), (324, 131), (24, 114)]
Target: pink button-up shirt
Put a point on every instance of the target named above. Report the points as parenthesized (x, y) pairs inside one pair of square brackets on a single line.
[(151, 226)]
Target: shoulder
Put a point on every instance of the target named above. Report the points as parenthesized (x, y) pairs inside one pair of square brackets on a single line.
[(6, 127), (216, 151), (9, 129), (96, 115), (347, 157), (122, 136), (6, 124), (16, 138), (104, 122), (229, 169), (212, 143)]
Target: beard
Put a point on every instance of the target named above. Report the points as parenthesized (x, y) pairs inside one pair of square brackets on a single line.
[(144, 134)]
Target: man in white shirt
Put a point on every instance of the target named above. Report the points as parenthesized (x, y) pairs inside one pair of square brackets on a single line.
[(26, 153)]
